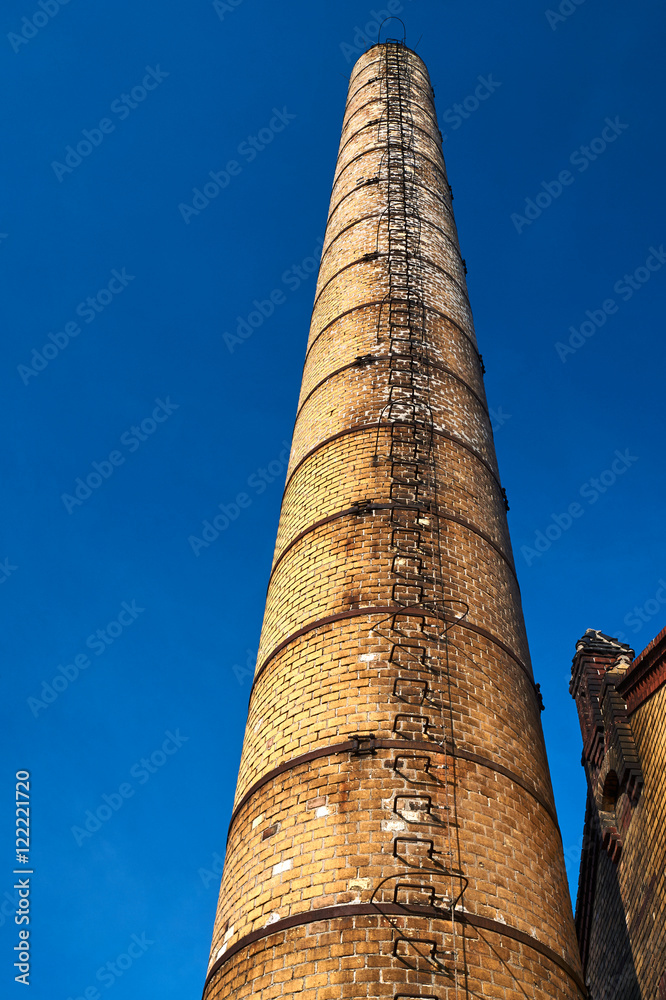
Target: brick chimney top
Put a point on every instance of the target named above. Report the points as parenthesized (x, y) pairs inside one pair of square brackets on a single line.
[(600, 652), (594, 641)]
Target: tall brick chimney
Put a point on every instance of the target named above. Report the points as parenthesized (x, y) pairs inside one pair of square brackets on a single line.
[(394, 833)]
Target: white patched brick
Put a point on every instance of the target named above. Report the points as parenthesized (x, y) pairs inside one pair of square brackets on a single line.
[(393, 825)]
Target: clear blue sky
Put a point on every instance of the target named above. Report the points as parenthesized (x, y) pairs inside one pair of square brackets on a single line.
[(141, 380)]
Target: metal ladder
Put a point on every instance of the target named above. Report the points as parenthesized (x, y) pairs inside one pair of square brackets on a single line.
[(418, 658)]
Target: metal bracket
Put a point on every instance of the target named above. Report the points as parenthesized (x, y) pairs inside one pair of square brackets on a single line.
[(364, 745), (416, 996), (421, 695), (413, 942), (425, 768), (412, 800), (429, 890), (537, 688), (406, 733), (414, 840), (362, 507)]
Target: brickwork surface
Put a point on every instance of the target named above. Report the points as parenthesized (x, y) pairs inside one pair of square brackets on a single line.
[(621, 910), (394, 832)]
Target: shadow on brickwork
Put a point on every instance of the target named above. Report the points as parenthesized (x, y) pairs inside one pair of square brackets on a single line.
[(600, 922)]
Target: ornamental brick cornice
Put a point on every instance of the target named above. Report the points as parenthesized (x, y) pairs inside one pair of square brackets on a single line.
[(596, 655), (646, 674), (610, 757), (596, 647)]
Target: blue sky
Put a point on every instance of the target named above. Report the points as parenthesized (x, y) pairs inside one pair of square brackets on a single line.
[(122, 360)]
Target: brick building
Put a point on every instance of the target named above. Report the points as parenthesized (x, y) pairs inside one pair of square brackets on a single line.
[(394, 833), (621, 905)]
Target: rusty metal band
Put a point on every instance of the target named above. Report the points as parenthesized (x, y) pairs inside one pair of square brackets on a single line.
[(382, 45), (423, 86), (390, 611), (379, 215), (382, 302), (377, 62), (374, 79), (417, 128), (424, 362), (382, 101), (369, 508), (406, 48), (415, 183), (406, 745), (415, 256), (439, 168), (394, 423), (428, 109), (427, 91), (395, 909), (384, 254), (378, 79), (373, 62)]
